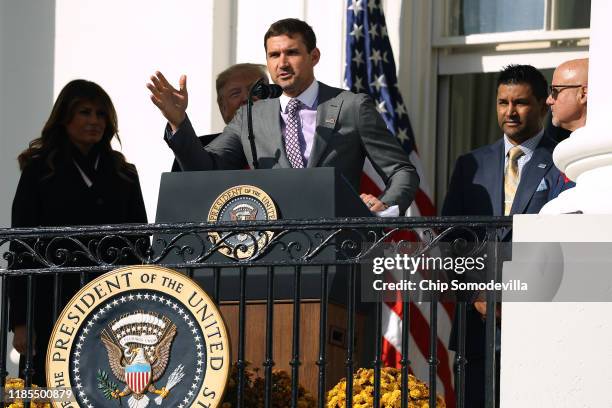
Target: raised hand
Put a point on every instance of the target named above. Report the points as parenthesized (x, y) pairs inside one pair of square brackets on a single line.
[(171, 102)]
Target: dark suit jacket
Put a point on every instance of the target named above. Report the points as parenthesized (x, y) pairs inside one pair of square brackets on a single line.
[(205, 140), (348, 129), (477, 188), (477, 183)]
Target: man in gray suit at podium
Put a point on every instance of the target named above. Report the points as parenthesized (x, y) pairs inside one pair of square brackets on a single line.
[(310, 125)]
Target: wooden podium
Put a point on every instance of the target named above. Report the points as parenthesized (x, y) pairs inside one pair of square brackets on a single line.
[(310, 318), (298, 194)]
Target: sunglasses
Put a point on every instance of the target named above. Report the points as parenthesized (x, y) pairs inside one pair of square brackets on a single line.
[(555, 90)]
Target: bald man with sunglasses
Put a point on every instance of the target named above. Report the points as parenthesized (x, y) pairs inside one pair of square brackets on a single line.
[(568, 103), (568, 94)]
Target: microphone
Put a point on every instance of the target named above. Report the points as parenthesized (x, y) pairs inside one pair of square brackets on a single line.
[(260, 90), (264, 91)]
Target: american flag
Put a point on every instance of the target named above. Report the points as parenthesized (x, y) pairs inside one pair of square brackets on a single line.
[(370, 68)]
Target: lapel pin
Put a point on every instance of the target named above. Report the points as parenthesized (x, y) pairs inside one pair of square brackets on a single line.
[(330, 120), (542, 165)]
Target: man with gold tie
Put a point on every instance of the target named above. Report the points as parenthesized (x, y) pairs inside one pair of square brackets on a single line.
[(514, 175)]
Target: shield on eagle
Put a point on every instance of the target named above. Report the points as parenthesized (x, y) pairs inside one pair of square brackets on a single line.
[(138, 376)]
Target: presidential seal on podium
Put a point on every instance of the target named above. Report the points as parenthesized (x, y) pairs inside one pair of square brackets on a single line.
[(242, 203), (140, 336)]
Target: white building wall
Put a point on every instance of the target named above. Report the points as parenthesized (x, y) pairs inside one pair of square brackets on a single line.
[(119, 44), (26, 90), (26, 85), (557, 354)]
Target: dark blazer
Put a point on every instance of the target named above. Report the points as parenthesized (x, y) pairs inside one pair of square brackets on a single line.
[(348, 129), (477, 188), (63, 199), (477, 183), (205, 140)]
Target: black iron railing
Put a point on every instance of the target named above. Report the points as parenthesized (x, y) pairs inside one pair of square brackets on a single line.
[(293, 245)]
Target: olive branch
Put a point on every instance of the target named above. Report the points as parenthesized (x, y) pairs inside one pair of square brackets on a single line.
[(106, 385)]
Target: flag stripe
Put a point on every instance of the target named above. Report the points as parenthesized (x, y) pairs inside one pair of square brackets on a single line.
[(370, 68)]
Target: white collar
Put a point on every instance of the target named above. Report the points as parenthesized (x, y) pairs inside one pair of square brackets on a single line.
[(528, 146), (86, 179), (308, 97)]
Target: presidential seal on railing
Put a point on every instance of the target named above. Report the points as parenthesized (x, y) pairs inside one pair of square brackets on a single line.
[(242, 203), (140, 336)]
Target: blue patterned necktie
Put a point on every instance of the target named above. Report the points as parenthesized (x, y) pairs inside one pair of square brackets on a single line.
[(292, 129)]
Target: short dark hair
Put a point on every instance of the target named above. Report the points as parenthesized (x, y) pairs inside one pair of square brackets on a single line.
[(290, 27), (524, 74)]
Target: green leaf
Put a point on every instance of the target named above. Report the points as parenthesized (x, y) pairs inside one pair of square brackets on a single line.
[(105, 384)]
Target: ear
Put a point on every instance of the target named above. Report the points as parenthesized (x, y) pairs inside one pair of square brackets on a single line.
[(583, 95), (315, 55)]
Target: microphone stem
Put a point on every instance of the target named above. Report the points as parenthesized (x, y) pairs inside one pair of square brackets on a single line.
[(250, 128)]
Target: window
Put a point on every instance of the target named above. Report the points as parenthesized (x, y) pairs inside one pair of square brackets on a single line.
[(493, 16)]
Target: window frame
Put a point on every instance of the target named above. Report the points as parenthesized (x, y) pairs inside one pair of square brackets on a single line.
[(509, 37)]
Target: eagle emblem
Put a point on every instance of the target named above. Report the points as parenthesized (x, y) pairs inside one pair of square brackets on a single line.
[(138, 346), (243, 212)]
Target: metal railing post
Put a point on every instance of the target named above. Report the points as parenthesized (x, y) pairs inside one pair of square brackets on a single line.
[(460, 359), (241, 363), (295, 348), (322, 361), (491, 320), (269, 362), (350, 327)]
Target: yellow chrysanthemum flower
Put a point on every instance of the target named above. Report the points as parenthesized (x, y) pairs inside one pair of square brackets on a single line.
[(390, 390)]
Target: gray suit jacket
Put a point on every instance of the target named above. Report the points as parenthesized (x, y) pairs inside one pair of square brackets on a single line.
[(348, 128)]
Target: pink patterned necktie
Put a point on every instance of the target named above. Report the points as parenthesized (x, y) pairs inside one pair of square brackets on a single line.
[(292, 129)]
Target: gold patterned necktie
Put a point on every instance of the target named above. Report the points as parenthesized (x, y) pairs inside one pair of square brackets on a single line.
[(511, 177)]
